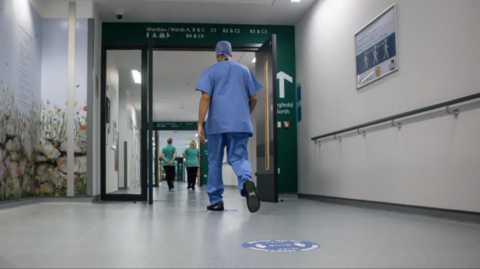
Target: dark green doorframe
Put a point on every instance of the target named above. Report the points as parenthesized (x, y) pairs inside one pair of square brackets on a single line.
[(201, 36)]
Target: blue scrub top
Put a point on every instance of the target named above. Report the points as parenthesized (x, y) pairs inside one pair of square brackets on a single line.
[(230, 86)]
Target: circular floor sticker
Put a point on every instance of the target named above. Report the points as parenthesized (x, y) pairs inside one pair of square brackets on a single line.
[(280, 245)]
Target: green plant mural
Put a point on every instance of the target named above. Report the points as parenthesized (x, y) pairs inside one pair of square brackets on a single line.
[(33, 149)]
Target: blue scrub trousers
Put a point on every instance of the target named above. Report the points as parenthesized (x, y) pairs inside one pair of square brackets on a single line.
[(237, 158)]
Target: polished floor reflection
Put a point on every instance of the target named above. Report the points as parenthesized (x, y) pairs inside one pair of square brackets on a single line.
[(176, 232)]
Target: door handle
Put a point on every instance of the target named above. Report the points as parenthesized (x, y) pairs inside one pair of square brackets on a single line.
[(267, 113)]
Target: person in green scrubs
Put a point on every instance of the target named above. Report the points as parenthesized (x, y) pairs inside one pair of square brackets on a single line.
[(192, 156), (169, 153)]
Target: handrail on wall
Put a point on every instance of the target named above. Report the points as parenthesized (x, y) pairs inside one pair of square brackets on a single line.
[(392, 119)]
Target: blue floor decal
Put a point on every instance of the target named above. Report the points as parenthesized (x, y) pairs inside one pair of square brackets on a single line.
[(280, 245)]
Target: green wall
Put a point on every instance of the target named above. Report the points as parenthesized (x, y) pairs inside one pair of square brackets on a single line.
[(182, 34)]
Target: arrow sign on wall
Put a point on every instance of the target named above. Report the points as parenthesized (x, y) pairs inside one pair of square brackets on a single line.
[(282, 77)]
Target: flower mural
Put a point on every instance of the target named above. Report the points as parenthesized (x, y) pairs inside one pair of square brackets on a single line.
[(33, 149)]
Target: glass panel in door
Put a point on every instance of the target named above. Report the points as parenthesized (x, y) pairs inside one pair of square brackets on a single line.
[(123, 125)]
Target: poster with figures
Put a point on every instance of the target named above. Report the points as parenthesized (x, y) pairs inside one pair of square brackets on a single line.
[(376, 48)]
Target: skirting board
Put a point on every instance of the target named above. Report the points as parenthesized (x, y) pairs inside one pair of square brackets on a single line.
[(415, 210), (37, 200)]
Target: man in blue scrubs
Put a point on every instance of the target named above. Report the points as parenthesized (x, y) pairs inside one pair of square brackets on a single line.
[(229, 94)]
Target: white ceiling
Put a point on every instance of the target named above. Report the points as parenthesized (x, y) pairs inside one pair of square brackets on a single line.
[(273, 12), (175, 75), (181, 139)]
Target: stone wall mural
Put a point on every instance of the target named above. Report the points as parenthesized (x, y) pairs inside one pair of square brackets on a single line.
[(18, 133), (52, 150), (33, 149), (33, 111)]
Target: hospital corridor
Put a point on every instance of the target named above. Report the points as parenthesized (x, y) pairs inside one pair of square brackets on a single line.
[(239, 134)]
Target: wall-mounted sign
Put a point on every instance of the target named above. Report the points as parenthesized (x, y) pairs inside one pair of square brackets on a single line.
[(175, 126), (376, 48)]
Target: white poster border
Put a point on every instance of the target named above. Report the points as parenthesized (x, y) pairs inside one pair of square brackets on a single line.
[(394, 7)]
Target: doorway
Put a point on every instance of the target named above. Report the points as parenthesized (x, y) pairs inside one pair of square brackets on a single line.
[(159, 96), (181, 141)]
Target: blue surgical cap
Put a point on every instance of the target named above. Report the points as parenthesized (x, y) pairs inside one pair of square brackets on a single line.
[(224, 48)]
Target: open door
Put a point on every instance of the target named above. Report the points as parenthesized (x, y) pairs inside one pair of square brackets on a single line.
[(266, 118), (122, 128)]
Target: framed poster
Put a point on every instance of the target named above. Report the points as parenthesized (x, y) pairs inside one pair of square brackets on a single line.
[(376, 48)]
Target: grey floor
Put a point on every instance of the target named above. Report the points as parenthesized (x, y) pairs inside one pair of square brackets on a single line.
[(127, 191), (176, 232)]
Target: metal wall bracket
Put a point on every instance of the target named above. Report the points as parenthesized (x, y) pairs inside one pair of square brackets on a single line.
[(398, 125), (453, 112), (339, 138), (364, 133)]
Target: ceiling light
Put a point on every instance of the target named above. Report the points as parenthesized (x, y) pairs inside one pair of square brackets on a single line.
[(295, 1), (137, 77), (254, 60)]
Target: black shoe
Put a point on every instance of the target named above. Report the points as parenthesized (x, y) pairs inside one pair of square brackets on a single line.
[(193, 188), (216, 207), (253, 202), (189, 188)]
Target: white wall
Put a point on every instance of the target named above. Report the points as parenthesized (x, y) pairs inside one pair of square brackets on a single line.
[(58, 9), (112, 94), (55, 59), (228, 176), (123, 114), (128, 118), (432, 163)]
